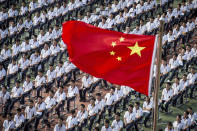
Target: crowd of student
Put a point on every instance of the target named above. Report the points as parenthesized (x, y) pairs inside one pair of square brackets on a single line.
[(50, 91)]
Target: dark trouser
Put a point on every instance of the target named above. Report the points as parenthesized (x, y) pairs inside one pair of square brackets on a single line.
[(68, 102), (117, 105), (136, 123), (101, 115), (163, 79), (82, 93), (147, 117), (13, 101), (129, 126), (173, 73), (23, 97), (174, 99), (192, 90), (83, 124), (39, 88), (9, 77), (23, 73), (93, 86), (71, 129), (37, 120), (92, 118), (48, 86), (6, 107), (109, 108), (166, 105), (57, 109)]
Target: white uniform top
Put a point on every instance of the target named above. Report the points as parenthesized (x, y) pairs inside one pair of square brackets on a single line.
[(41, 106), (167, 94), (117, 125), (12, 68), (7, 125), (72, 91), (129, 116), (138, 113), (51, 75), (19, 119), (60, 127), (186, 122), (177, 126), (16, 92), (30, 112), (40, 80), (106, 129), (92, 110), (59, 96), (82, 115), (71, 121), (27, 86), (4, 96), (192, 78), (110, 99), (2, 73), (147, 106), (50, 102), (176, 88), (101, 104), (5, 54)]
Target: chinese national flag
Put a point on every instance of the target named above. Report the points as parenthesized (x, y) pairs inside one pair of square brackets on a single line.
[(123, 59)]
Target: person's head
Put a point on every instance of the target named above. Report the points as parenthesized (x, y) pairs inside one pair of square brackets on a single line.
[(169, 126), (188, 48), (137, 105), (1, 66), (60, 122), (82, 107), (55, 43), (37, 53), (31, 103), (192, 71), (174, 56), (177, 80), (51, 67), (61, 89), (39, 99), (106, 123), (178, 118), (184, 77), (185, 114), (13, 61), (148, 99), (4, 89), (9, 117), (98, 96), (170, 32), (60, 63), (28, 77), (117, 116), (168, 86), (189, 109), (164, 62), (130, 108), (112, 91), (92, 101), (40, 73), (96, 128), (73, 83), (73, 112), (19, 111), (46, 46), (17, 83), (151, 19)]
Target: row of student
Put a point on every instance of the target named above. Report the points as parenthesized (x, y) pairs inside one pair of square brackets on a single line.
[(33, 5), (186, 122), (179, 89)]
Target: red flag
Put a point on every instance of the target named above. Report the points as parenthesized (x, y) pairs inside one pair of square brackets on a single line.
[(119, 58)]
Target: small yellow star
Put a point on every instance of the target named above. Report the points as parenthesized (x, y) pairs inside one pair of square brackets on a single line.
[(122, 39), (119, 58), (136, 49), (112, 53), (113, 44)]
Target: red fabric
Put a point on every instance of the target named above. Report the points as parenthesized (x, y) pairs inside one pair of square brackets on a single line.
[(89, 47)]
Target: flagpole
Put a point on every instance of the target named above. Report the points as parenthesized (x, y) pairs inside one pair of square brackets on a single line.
[(157, 79)]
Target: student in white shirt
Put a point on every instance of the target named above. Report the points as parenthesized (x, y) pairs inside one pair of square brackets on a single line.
[(138, 114), (186, 121), (169, 127), (106, 126), (174, 64), (4, 96), (71, 121), (23, 9), (164, 70), (92, 112), (192, 78), (110, 99), (30, 111), (55, 49), (60, 97), (147, 110), (5, 53), (50, 101), (25, 46), (35, 62), (101, 106), (8, 124), (40, 108), (82, 117), (45, 53), (60, 126), (129, 118), (117, 124), (39, 82), (193, 117), (2, 73), (23, 64), (73, 91), (176, 91), (19, 118), (166, 97), (16, 49), (178, 125), (34, 43), (183, 86), (12, 11)]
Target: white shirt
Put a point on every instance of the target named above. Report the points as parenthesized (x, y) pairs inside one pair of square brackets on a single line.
[(4, 96), (24, 63), (129, 116), (186, 122), (118, 93), (60, 96), (147, 106), (193, 117), (92, 110), (101, 104), (138, 113), (82, 115), (33, 43), (8, 125), (41, 106), (15, 49), (50, 102), (5, 54), (72, 91), (166, 95), (165, 69), (30, 112), (117, 125), (86, 81), (192, 78), (27, 86), (39, 80), (12, 12), (2, 73), (23, 10), (60, 127), (35, 59), (19, 119), (106, 129), (59, 71), (54, 49), (16, 92), (177, 126), (28, 24), (110, 98), (25, 47), (176, 88), (183, 84), (51, 75), (71, 121), (173, 63)]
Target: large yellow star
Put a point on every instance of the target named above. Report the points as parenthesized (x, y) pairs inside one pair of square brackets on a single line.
[(112, 53), (122, 39), (136, 49), (113, 44), (119, 58)]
